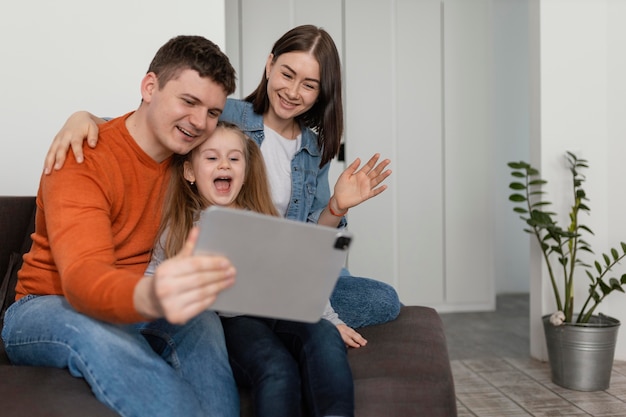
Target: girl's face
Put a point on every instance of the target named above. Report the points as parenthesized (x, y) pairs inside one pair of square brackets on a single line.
[(218, 167), (293, 84)]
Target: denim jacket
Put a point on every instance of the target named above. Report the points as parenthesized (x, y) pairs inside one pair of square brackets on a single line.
[(310, 191)]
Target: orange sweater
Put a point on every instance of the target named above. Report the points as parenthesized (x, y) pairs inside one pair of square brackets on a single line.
[(95, 227)]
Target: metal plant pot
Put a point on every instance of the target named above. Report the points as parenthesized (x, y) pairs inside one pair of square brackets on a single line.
[(581, 355)]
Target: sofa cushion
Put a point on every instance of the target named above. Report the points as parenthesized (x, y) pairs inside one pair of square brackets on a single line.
[(7, 287), (17, 222), (47, 392), (18, 241)]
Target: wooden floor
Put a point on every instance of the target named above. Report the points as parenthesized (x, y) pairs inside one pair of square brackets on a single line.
[(494, 375)]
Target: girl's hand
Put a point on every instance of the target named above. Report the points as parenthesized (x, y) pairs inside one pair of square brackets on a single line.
[(350, 336), (356, 186), (78, 127)]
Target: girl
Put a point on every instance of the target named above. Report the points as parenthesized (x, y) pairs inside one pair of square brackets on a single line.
[(277, 359)]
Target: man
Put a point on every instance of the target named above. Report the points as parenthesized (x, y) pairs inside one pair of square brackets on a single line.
[(147, 345)]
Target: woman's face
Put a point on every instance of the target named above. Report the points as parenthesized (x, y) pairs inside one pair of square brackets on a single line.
[(293, 84), (218, 167)]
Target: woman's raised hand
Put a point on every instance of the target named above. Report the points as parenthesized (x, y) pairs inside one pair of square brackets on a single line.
[(355, 185)]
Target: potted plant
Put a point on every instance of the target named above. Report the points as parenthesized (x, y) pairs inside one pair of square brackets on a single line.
[(581, 344)]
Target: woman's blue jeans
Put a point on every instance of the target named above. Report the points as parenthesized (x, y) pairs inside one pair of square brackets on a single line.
[(361, 302), (146, 369), (282, 362)]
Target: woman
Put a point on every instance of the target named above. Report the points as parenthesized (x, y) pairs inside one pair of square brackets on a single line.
[(296, 116), (278, 360)]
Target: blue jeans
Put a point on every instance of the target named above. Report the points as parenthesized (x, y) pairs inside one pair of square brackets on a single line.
[(282, 362), (361, 302), (145, 369)]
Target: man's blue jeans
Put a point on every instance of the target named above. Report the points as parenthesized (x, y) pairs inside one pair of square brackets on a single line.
[(283, 362), (146, 369), (361, 302)]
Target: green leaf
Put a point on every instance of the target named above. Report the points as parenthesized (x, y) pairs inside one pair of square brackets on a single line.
[(585, 228), (518, 165), (517, 186), (605, 288), (517, 198), (598, 267), (593, 293), (615, 284), (538, 181), (541, 216), (607, 260), (518, 174), (520, 210)]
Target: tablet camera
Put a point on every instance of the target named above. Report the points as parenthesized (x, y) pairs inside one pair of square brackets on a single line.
[(342, 242)]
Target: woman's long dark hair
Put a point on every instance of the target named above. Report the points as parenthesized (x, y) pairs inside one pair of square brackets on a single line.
[(326, 115)]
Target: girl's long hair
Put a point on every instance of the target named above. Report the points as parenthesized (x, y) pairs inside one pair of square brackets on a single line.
[(183, 202), (326, 115)]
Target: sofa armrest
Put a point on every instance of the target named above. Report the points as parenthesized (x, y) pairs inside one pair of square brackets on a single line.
[(404, 370)]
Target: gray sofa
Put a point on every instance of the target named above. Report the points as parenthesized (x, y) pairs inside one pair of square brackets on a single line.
[(403, 371)]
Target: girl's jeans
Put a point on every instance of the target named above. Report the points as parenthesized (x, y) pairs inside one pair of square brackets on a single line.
[(283, 362)]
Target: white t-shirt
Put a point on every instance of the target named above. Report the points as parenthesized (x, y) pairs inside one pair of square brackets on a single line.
[(278, 153)]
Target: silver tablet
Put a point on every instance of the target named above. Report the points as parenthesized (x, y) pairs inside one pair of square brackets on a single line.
[(285, 269)]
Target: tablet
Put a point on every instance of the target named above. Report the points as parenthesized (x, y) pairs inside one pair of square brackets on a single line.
[(285, 269)]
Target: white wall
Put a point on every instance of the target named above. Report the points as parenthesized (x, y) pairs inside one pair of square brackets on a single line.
[(511, 130), (419, 90), (614, 222), (579, 107), (64, 55), (67, 55)]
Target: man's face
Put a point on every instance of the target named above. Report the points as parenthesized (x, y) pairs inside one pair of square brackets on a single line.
[(181, 114)]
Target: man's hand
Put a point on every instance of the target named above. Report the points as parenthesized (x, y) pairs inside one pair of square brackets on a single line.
[(184, 285)]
